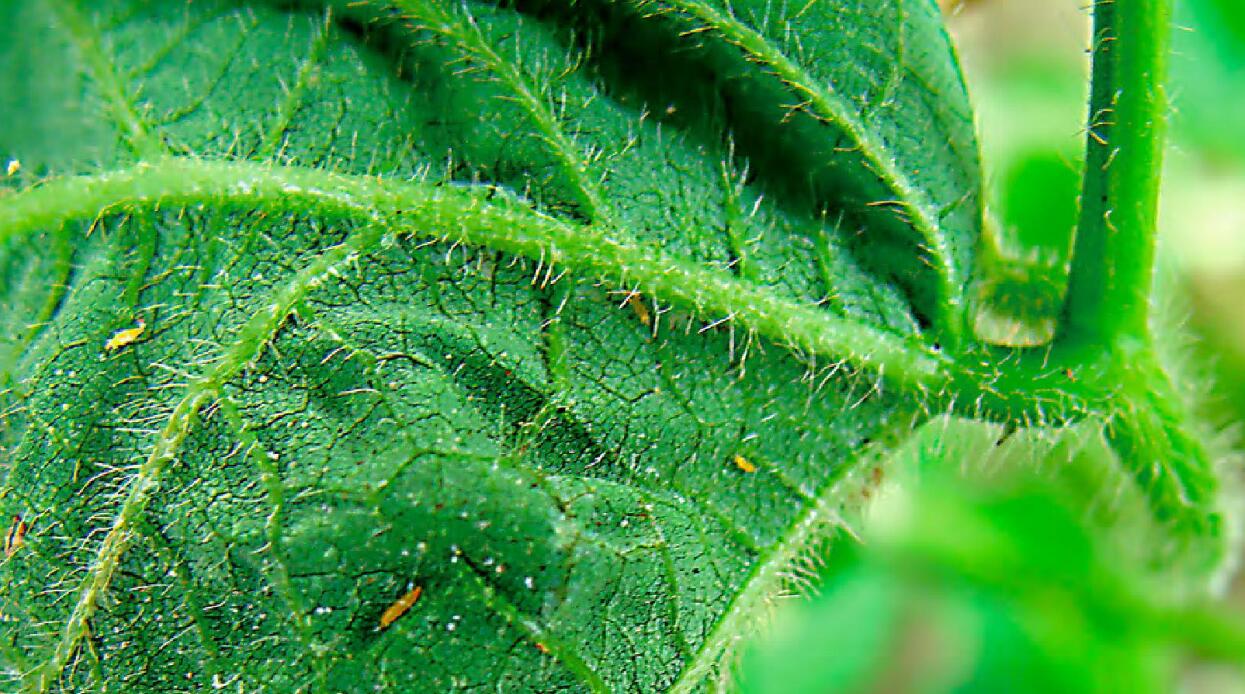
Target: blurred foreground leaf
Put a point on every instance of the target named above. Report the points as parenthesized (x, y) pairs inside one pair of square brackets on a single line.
[(988, 581)]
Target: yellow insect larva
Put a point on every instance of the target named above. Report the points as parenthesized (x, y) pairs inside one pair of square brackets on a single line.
[(13, 167), (636, 302), (400, 607), (15, 537), (744, 464), (542, 648), (125, 337)]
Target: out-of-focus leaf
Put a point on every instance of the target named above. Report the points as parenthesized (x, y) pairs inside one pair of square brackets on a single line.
[(1208, 77), (980, 582)]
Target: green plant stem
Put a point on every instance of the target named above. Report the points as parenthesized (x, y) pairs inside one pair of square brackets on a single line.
[(1113, 258)]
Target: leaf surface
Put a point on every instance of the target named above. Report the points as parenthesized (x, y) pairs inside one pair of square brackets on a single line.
[(461, 297)]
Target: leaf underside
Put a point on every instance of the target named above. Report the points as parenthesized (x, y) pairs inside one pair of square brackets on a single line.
[(323, 412)]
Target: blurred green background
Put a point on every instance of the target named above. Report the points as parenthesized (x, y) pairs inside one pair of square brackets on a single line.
[(1022, 561)]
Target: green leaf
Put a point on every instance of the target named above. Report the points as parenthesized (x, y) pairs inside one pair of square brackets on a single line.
[(580, 317)]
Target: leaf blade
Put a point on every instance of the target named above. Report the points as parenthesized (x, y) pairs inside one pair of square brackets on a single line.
[(304, 451)]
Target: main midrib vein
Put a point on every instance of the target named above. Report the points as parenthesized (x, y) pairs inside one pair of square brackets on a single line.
[(475, 215)]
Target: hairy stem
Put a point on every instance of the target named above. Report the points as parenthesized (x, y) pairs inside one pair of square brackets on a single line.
[(1112, 263), (1107, 310)]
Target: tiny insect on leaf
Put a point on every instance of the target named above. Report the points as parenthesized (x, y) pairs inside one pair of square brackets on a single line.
[(636, 302), (15, 537), (400, 606), (125, 337), (744, 464)]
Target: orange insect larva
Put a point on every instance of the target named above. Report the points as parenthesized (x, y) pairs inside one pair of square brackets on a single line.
[(15, 537), (400, 607), (128, 336), (744, 464), (636, 302)]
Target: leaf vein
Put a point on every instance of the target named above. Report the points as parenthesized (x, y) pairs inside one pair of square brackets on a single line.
[(251, 340), (479, 215), (86, 40)]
